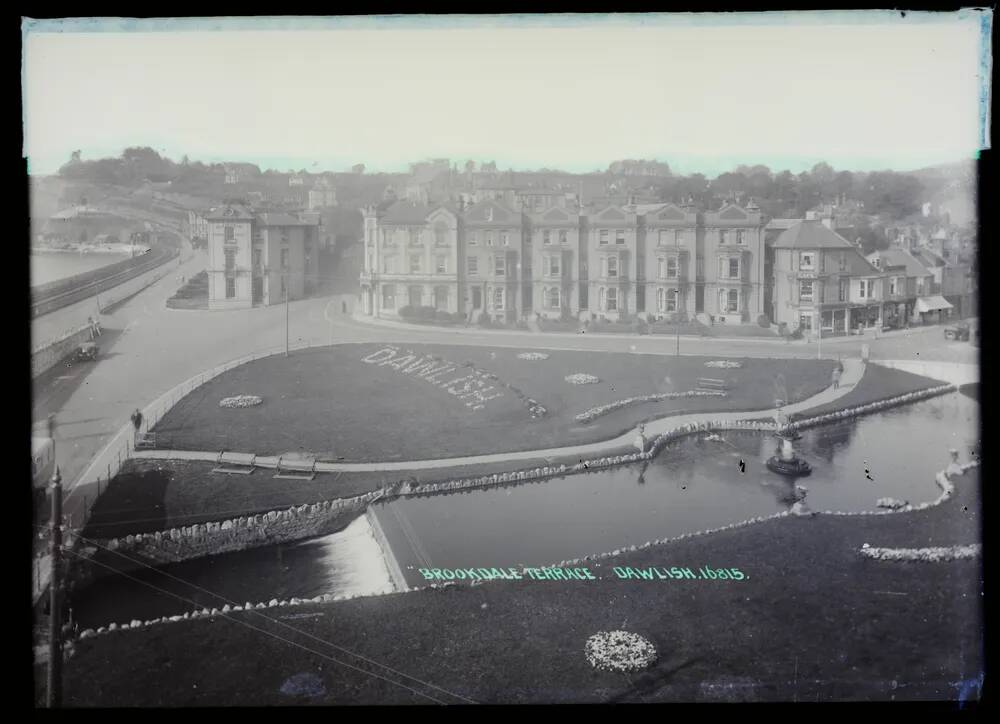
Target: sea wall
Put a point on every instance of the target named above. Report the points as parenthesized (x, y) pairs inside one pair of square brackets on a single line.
[(47, 356)]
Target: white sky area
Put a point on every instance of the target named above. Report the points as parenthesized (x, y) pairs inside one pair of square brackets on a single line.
[(897, 94)]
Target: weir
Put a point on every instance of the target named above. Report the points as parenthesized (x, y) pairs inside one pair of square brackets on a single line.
[(395, 572)]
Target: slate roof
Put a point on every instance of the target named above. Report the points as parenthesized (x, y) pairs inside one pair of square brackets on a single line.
[(406, 212), (898, 257), (234, 212), (278, 218), (811, 235)]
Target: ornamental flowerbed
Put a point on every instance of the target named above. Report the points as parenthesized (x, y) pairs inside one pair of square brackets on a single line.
[(532, 356), (621, 651), (594, 412), (580, 378), (724, 364), (240, 401)]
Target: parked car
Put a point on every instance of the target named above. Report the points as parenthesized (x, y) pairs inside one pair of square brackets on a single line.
[(960, 332)]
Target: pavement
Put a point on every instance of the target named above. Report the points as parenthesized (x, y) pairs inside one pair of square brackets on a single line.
[(853, 371)]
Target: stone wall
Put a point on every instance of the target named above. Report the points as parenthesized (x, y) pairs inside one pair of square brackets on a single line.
[(227, 536)]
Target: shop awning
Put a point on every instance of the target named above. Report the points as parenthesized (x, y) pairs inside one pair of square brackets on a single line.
[(932, 304)]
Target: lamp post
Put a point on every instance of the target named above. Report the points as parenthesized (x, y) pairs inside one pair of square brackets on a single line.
[(284, 279), (55, 596)]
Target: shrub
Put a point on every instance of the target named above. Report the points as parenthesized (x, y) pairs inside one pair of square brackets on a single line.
[(642, 326), (425, 314), (566, 315), (764, 321), (486, 321), (459, 317), (406, 312), (796, 333)]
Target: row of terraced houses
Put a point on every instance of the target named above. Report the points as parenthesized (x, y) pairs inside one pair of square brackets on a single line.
[(655, 261), (615, 263)]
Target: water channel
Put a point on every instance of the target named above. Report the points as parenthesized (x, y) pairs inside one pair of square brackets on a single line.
[(694, 484)]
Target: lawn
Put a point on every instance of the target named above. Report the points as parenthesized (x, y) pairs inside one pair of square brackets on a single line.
[(329, 403), (878, 383), (812, 622)]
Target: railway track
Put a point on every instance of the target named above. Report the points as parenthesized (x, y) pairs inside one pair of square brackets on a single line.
[(59, 298)]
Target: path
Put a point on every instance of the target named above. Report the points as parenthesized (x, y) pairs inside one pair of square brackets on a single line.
[(853, 371)]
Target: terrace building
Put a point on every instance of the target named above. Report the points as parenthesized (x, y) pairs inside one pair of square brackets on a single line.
[(729, 283), (610, 242), (493, 256), (259, 258), (666, 276), (555, 273), (411, 258)]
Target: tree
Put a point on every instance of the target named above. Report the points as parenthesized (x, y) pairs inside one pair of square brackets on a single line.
[(358, 168)]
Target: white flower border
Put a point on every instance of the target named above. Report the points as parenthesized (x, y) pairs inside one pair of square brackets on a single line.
[(619, 651), (582, 378), (595, 412), (724, 364), (922, 555), (532, 356), (240, 401)]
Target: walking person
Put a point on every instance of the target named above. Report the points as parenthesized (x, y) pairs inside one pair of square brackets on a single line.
[(137, 422), (837, 371)]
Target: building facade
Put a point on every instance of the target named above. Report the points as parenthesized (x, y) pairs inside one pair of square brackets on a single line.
[(411, 259), (259, 258), (823, 284), (729, 286), (553, 242), (666, 277), (656, 261)]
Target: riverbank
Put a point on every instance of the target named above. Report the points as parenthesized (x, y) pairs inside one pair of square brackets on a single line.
[(813, 620)]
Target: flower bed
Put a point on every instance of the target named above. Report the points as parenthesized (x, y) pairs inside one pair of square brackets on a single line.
[(595, 412), (891, 503), (579, 378), (533, 356), (724, 364), (240, 401), (619, 651), (923, 555)]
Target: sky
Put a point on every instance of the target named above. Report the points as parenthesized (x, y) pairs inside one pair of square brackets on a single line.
[(861, 90)]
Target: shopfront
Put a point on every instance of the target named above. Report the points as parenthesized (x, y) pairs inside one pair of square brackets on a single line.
[(834, 321), (868, 317)]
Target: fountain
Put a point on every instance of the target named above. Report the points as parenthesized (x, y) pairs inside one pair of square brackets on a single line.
[(785, 461)]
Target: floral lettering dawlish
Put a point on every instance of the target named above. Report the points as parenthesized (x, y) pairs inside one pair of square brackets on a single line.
[(474, 387)]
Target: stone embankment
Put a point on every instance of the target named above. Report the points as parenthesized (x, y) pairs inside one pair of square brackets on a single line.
[(227, 536)]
